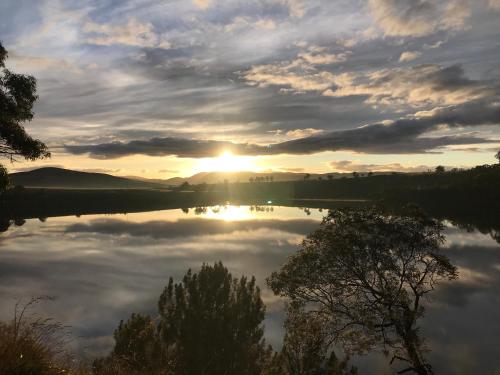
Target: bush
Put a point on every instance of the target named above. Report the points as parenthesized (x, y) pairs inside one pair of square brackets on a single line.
[(4, 179), (31, 345)]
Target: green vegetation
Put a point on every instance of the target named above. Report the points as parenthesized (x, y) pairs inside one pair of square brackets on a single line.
[(17, 96)]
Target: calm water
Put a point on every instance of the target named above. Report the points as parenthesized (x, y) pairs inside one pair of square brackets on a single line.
[(102, 268)]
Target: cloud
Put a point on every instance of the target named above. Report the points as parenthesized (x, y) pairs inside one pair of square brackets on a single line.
[(495, 4), (416, 18), (300, 74), (301, 133), (101, 170), (182, 147), (316, 55), (241, 22), (293, 170), (133, 33), (418, 86), (296, 7), (351, 166), (409, 56), (406, 136), (203, 4)]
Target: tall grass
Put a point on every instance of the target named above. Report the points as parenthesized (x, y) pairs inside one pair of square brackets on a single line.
[(34, 345)]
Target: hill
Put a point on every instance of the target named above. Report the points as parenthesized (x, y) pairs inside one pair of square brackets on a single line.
[(232, 177), (69, 179), (66, 178)]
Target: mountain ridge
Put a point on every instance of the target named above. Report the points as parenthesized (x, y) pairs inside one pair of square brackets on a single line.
[(54, 177)]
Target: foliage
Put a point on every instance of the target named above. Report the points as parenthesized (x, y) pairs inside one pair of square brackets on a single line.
[(497, 156), (4, 179), (32, 345), (210, 323), (17, 96), (307, 347), (366, 273)]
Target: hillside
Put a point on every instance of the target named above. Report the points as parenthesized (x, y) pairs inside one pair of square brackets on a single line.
[(65, 178), (231, 177)]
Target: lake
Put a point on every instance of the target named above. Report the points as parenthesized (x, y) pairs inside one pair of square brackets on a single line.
[(101, 268)]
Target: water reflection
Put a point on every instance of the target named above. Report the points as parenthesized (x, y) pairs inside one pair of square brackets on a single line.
[(102, 268)]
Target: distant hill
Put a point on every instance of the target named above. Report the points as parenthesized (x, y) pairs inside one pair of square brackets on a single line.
[(69, 179), (65, 178), (219, 177)]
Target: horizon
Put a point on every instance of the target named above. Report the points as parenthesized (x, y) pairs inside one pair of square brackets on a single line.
[(163, 90), (236, 172)]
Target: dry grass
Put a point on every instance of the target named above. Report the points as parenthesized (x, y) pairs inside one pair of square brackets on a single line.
[(33, 345)]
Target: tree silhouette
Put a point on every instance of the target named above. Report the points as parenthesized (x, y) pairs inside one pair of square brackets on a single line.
[(17, 96), (213, 323), (367, 273), (137, 348), (306, 348), (497, 156), (4, 178), (210, 323), (440, 169), (307, 176)]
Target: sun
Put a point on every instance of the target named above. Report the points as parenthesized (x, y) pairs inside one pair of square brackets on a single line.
[(226, 162)]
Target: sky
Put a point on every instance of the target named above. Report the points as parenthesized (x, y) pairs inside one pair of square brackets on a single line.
[(170, 88)]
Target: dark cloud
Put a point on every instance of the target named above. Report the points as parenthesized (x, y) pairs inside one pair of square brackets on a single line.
[(407, 135)]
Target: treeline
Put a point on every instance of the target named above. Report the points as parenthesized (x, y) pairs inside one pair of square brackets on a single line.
[(473, 190)]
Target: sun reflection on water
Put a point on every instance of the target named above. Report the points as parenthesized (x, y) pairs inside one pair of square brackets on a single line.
[(229, 213)]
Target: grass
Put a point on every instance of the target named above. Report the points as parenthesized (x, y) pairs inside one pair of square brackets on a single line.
[(34, 345)]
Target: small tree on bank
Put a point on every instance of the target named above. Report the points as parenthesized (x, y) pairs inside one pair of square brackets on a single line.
[(210, 323), (497, 156), (366, 274), (17, 96)]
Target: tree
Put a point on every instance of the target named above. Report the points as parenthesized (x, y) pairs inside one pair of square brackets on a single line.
[(184, 186), (307, 176), (17, 96), (137, 348), (210, 323), (306, 347), (497, 156), (440, 169), (4, 178), (213, 323), (367, 273)]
